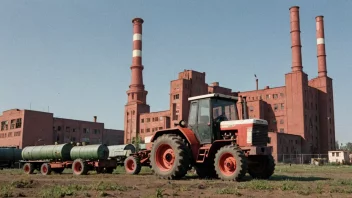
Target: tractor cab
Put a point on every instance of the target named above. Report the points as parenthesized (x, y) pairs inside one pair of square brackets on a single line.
[(207, 112)]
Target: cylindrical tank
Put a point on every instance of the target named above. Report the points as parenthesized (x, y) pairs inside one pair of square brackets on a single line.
[(90, 152), (10, 154), (121, 150), (47, 152)]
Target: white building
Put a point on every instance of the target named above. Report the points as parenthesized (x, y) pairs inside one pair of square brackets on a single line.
[(339, 157)]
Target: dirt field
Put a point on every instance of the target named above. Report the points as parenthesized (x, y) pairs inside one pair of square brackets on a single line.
[(288, 181)]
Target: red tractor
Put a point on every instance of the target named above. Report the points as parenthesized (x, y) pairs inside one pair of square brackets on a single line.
[(215, 142)]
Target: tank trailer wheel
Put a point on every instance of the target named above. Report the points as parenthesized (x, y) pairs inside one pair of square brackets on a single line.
[(45, 169), (132, 165), (79, 167), (28, 168), (169, 157), (263, 169), (230, 163)]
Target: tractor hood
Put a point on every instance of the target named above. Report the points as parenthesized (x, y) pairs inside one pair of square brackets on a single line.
[(232, 123)]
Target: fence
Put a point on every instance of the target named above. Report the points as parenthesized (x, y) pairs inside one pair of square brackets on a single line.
[(299, 158)]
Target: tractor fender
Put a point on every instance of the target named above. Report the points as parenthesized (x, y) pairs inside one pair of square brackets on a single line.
[(185, 133), (216, 146)]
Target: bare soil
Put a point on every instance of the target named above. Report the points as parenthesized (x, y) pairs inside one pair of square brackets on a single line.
[(288, 181)]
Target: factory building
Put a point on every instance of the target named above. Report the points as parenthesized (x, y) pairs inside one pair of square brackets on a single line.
[(300, 113), (27, 128)]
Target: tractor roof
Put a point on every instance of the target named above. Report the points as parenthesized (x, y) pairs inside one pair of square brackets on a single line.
[(213, 95)]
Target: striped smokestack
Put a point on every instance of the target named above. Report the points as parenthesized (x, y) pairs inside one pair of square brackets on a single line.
[(137, 67), (295, 39), (321, 46)]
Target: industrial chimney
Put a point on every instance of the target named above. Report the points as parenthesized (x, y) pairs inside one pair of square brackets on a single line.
[(295, 39), (95, 118), (321, 46)]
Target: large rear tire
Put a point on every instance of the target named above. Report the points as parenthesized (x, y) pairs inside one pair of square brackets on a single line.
[(230, 163), (132, 165), (262, 167), (170, 157)]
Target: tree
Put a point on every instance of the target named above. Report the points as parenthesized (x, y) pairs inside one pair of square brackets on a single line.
[(346, 147), (337, 145)]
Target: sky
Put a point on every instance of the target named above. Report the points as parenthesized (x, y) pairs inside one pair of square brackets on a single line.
[(73, 58)]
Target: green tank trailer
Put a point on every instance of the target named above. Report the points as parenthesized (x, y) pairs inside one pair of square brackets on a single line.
[(9, 156)]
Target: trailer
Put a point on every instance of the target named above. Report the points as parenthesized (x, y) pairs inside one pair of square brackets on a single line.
[(135, 161), (56, 158)]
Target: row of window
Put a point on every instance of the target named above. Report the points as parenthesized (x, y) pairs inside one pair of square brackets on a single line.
[(153, 129), (10, 134), (85, 130), (15, 124), (267, 96), (155, 119)]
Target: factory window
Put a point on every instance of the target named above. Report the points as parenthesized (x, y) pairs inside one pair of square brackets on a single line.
[(160, 128), (267, 96), (276, 107), (18, 123), (148, 130), (142, 130), (251, 108), (59, 128), (67, 129), (281, 121), (282, 106), (12, 124), (85, 130), (73, 139), (132, 96), (148, 119), (176, 97), (74, 130), (156, 119), (337, 154), (275, 96), (296, 141), (96, 131), (142, 120), (4, 125), (282, 95), (10, 134), (17, 133), (274, 121), (281, 130), (152, 129), (133, 112)]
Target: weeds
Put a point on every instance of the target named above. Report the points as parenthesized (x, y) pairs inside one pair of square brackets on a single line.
[(229, 191)]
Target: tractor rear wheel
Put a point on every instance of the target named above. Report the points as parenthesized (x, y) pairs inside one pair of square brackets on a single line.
[(261, 167), (169, 157), (230, 163), (132, 165)]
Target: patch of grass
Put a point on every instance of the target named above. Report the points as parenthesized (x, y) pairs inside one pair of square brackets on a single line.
[(159, 193), (6, 191), (58, 191), (109, 186), (228, 191), (23, 183)]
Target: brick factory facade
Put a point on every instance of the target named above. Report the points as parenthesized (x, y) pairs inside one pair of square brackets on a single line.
[(26, 128), (300, 114)]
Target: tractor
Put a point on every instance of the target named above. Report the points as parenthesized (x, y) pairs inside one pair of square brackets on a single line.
[(214, 141)]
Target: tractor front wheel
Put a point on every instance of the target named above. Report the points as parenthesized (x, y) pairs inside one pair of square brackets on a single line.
[(170, 157), (230, 163), (261, 166)]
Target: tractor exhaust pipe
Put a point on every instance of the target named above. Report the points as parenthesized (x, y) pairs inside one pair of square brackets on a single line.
[(244, 108)]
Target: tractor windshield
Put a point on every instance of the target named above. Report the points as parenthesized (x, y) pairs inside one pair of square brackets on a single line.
[(225, 108)]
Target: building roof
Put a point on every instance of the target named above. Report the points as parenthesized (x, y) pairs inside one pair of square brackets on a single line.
[(213, 95)]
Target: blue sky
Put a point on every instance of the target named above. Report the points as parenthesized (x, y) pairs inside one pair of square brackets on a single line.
[(74, 56)]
